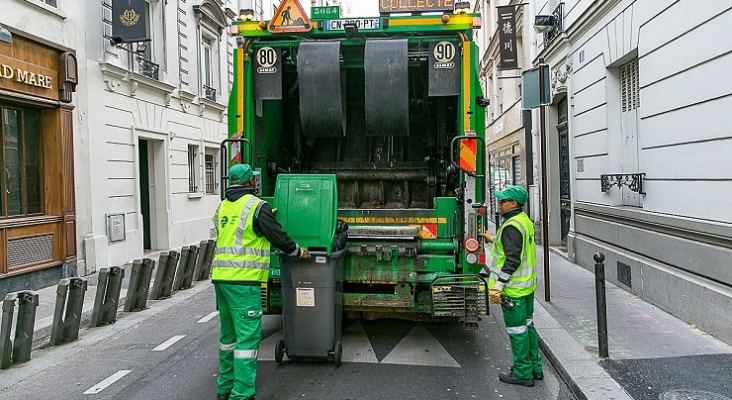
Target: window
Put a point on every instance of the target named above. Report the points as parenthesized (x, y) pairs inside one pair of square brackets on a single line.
[(211, 181), (20, 157), (192, 168), (51, 3), (208, 66)]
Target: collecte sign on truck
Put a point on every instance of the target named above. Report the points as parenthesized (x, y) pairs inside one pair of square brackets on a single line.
[(390, 105)]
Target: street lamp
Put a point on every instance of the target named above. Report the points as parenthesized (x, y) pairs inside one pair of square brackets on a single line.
[(545, 23)]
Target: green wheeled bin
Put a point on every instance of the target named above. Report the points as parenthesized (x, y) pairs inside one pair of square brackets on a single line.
[(312, 290)]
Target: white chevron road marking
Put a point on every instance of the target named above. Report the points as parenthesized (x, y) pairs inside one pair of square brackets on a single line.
[(419, 347)]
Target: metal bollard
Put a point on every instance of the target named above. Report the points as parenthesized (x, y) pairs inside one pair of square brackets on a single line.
[(601, 304), (20, 349), (186, 280), (180, 269), (163, 284), (69, 297), (107, 298), (202, 249), (206, 266), (137, 290)]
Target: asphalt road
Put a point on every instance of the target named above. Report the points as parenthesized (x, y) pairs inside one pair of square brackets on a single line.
[(173, 355)]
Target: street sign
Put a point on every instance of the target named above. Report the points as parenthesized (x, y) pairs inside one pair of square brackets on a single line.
[(530, 90), (290, 17), (325, 12)]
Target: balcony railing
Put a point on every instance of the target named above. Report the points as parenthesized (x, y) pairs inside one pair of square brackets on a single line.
[(558, 28), (209, 93), (148, 68), (633, 182)]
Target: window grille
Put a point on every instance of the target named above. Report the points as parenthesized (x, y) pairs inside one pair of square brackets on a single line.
[(192, 166), (629, 86), (210, 174)]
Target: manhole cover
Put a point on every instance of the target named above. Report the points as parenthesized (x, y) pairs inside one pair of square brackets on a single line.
[(691, 395)]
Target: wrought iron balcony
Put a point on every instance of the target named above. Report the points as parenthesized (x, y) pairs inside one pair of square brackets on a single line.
[(209, 93), (148, 68), (558, 27), (632, 181)]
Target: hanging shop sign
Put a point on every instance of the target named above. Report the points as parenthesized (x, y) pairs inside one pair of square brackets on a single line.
[(129, 21)]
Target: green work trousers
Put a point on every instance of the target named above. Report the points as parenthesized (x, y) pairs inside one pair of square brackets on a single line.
[(522, 334), (240, 314)]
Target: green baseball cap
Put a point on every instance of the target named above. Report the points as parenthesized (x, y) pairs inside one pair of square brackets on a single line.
[(515, 193), (241, 173)]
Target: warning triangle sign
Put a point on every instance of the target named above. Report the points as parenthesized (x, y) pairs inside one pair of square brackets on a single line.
[(290, 17)]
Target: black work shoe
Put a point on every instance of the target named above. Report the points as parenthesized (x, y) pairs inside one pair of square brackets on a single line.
[(223, 396), (513, 380), (539, 376)]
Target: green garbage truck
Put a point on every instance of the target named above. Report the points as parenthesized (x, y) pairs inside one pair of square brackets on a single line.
[(392, 107)]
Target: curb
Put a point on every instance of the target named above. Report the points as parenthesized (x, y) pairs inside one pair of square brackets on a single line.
[(580, 370)]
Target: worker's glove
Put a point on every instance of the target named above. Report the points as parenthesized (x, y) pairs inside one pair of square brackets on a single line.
[(494, 293), (488, 237), (274, 211), (303, 254)]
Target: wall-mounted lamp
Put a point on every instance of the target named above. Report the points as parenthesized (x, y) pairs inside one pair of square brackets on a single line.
[(545, 23), (141, 48), (5, 35), (246, 15), (462, 7)]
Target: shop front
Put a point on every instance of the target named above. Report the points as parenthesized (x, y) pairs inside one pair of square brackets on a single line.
[(37, 207)]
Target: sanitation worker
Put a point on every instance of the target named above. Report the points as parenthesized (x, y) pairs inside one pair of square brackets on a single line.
[(512, 283), (245, 229)]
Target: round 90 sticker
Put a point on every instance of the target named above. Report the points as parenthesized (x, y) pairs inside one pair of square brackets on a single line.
[(444, 53)]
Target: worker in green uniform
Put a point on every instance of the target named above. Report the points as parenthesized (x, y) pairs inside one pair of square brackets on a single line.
[(512, 283), (245, 229)]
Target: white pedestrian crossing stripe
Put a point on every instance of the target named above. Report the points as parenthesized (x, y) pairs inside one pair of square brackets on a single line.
[(419, 347)]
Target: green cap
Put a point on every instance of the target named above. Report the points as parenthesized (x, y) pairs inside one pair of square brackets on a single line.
[(241, 173), (515, 193)]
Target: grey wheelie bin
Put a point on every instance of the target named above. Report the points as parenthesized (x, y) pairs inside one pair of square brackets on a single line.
[(312, 290), (312, 307)]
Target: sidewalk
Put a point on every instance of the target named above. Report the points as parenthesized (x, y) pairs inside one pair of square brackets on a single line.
[(652, 355)]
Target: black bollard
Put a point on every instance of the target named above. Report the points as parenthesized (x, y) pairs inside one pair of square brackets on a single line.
[(601, 304)]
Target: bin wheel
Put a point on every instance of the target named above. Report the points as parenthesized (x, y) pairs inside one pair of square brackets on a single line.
[(279, 351), (337, 354)]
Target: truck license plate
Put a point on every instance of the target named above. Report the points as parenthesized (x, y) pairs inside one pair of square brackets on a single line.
[(361, 23)]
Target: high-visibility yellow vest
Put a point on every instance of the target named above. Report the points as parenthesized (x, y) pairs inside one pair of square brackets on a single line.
[(240, 254), (523, 281)]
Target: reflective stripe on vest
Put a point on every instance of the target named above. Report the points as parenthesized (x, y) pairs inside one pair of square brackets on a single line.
[(523, 281), (240, 254)]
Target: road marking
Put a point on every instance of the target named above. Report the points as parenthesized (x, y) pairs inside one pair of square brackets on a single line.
[(168, 343), (419, 347), (105, 383), (207, 318), (356, 345)]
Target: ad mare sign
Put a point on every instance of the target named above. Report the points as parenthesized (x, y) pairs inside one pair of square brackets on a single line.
[(24, 76)]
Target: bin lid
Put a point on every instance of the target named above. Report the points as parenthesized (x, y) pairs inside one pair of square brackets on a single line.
[(307, 207)]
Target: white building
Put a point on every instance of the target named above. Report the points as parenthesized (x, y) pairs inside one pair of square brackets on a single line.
[(642, 93), (154, 115)]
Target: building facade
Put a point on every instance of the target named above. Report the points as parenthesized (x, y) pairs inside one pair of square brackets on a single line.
[(148, 169), (639, 145), (39, 119), (508, 127)]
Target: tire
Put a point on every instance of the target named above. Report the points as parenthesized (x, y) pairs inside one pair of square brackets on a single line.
[(279, 351), (337, 353)]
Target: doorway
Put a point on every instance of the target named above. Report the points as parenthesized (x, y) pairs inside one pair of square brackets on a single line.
[(565, 195), (144, 174)]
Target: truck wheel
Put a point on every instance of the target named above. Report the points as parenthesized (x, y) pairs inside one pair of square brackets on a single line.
[(337, 354), (279, 351)]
